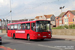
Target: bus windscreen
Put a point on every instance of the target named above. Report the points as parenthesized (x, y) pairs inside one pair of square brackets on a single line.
[(42, 26)]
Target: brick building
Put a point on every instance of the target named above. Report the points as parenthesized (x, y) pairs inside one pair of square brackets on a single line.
[(66, 18)]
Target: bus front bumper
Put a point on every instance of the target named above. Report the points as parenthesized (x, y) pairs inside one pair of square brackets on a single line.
[(44, 37)]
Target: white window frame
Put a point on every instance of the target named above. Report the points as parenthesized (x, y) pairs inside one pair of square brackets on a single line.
[(69, 15), (73, 19), (60, 21), (65, 15), (60, 17)]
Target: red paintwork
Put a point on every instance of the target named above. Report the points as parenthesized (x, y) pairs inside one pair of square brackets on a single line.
[(33, 34)]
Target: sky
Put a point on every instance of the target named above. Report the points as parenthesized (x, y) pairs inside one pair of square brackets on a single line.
[(29, 9)]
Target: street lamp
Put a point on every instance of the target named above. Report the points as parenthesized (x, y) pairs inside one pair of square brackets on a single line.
[(10, 11), (61, 8)]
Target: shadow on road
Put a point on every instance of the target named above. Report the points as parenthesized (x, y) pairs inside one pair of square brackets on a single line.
[(52, 39), (3, 43)]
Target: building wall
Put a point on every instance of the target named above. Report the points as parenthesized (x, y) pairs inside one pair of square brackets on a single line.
[(70, 17), (57, 22)]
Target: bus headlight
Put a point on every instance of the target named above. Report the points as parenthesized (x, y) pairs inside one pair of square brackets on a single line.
[(48, 34), (38, 34)]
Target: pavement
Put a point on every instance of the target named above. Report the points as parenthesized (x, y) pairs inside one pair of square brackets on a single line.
[(66, 37), (3, 33)]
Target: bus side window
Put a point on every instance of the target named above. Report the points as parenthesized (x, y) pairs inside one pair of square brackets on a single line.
[(23, 26), (11, 27), (27, 25), (19, 26), (33, 26), (8, 27), (15, 27)]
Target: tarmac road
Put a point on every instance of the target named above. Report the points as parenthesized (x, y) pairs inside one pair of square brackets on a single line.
[(47, 44)]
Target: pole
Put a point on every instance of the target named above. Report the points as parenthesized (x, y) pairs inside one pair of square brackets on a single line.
[(61, 10), (10, 11)]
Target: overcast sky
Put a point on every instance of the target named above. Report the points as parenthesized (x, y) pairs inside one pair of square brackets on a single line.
[(22, 9)]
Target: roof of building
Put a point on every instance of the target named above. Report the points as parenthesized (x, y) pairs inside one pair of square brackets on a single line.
[(38, 17), (48, 16), (61, 14), (0, 19), (72, 11)]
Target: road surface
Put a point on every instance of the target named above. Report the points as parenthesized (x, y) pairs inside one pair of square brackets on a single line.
[(47, 44)]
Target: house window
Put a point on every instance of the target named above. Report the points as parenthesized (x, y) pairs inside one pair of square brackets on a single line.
[(60, 21), (65, 20), (73, 19), (60, 17), (65, 15), (57, 21), (69, 15)]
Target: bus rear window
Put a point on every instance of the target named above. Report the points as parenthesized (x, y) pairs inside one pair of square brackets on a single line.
[(8, 27)]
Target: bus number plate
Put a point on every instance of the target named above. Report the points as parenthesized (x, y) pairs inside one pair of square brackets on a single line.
[(44, 36)]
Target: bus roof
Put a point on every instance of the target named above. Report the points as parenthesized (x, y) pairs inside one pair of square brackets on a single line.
[(27, 21)]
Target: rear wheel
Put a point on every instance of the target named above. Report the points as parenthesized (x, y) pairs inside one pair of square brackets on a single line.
[(28, 37), (0, 43), (13, 36), (42, 39)]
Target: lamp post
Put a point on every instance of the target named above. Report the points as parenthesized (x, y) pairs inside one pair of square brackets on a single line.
[(61, 8), (10, 11)]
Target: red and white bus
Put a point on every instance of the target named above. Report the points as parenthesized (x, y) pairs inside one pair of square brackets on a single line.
[(38, 29)]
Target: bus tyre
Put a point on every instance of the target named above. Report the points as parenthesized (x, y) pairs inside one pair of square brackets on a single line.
[(28, 37), (13, 36), (42, 39), (0, 43)]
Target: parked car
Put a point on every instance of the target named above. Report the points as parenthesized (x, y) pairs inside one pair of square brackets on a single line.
[(0, 40)]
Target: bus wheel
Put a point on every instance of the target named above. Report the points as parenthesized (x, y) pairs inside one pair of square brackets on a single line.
[(42, 39), (28, 37), (0, 43), (13, 36)]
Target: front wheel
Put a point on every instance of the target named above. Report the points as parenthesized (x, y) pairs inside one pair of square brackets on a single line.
[(42, 39), (13, 36), (0, 43), (28, 37)]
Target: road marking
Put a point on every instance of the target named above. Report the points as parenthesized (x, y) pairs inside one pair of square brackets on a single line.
[(3, 47), (35, 44), (40, 45), (49, 46)]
